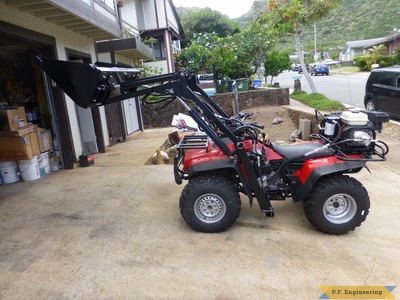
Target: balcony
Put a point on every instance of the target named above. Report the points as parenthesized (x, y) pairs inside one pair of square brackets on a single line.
[(132, 48), (95, 19)]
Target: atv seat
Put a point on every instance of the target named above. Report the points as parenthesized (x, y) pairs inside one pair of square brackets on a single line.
[(298, 150)]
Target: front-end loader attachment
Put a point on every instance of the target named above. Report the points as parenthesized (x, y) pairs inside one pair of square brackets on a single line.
[(88, 84)]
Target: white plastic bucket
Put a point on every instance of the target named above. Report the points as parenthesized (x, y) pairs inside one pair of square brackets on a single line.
[(29, 169), (44, 163), (54, 166), (9, 172)]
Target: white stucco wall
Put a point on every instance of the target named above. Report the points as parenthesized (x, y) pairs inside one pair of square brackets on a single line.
[(162, 21), (149, 15), (171, 18), (129, 14)]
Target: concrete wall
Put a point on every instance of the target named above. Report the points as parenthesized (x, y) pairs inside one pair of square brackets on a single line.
[(162, 117)]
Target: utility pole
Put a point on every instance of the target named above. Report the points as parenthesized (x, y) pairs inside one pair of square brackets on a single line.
[(315, 43)]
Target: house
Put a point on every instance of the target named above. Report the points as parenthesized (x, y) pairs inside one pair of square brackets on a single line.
[(355, 48), (83, 31), (158, 22), (392, 43)]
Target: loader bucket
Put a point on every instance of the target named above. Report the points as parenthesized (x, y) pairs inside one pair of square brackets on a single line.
[(86, 84), (77, 80)]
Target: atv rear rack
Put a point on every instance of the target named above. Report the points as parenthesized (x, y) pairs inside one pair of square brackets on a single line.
[(193, 142), (188, 142), (376, 151), (382, 146)]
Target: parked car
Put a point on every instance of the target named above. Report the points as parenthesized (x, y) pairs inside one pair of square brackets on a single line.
[(295, 67), (320, 69), (205, 77), (301, 69), (382, 91), (330, 62)]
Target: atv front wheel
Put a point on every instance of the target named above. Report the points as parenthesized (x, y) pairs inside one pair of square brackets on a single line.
[(210, 203), (337, 205)]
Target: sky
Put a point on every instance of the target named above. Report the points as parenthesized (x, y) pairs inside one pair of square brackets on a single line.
[(231, 8)]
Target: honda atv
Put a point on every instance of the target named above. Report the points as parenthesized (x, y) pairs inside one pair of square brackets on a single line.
[(228, 156)]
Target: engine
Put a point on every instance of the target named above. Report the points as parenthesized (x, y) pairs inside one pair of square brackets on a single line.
[(355, 129)]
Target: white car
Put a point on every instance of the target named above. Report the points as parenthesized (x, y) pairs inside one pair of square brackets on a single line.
[(330, 62)]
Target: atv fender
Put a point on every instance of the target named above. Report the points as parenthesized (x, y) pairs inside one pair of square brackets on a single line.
[(304, 180), (222, 166)]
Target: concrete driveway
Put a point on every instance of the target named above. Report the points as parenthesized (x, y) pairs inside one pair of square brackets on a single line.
[(114, 231)]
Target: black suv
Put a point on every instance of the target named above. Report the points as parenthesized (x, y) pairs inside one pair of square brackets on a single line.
[(382, 91)]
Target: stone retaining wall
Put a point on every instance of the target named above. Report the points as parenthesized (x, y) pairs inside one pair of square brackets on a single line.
[(296, 113), (161, 116)]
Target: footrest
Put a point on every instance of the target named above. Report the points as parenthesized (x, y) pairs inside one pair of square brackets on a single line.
[(269, 212)]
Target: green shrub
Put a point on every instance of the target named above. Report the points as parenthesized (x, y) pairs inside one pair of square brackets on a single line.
[(386, 61), (271, 85), (396, 57), (366, 61), (317, 100), (361, 62)]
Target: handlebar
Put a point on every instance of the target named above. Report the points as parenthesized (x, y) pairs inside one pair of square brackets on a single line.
[(254, 124), (245, 115)]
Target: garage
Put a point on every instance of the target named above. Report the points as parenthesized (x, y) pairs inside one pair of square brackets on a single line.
[(23, 84)]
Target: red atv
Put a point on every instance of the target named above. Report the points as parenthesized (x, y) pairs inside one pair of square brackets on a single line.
[(229, 156), (314, 172)]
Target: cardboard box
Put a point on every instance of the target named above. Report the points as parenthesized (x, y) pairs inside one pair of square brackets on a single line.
[(19, 148), (10, 117), (20, 131), (45, 139)]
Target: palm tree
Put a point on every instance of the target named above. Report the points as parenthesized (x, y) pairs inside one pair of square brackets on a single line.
[(377, 52)]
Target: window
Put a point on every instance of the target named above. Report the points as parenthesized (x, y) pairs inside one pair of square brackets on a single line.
[(159, 50), (108, 3), (385, 79), (398, 81)]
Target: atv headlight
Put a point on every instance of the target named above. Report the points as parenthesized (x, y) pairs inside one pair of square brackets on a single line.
[(362, 137)]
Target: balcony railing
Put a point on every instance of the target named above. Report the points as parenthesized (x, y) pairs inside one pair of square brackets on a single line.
[(109, 3), (129, 31)]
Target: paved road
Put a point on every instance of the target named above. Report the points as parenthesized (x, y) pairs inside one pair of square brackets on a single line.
[(347, 88)]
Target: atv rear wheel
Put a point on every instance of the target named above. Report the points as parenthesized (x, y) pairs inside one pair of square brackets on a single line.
[(210, 203), (337, 205)]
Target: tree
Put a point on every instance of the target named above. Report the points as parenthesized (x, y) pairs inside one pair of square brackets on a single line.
[(251, 45), (288, 17), (221, 61), (206, 20), (194, 58), (377, 52), (376, 55), (276, 62), (209, 53)]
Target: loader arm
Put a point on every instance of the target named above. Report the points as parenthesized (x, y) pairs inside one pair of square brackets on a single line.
[(99, 84)]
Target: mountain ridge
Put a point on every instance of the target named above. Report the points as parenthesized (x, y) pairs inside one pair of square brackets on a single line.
[(354, 20)]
